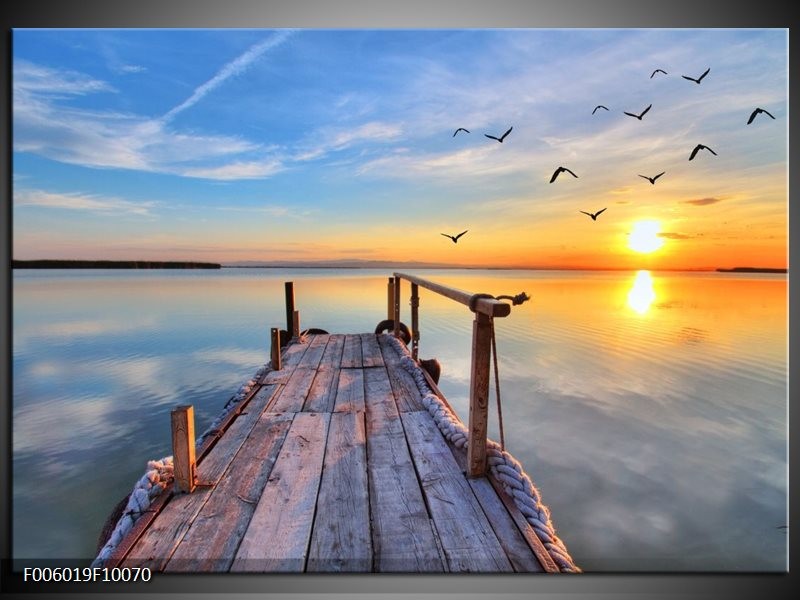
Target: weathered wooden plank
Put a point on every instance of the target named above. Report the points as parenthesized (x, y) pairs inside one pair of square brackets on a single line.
[(519, 553), (214, 464), (291, 356), (157, 544), (404, 387), (332, 357), (529, 535), (214, 535), (341, 538), (370, 350), (322, 395), (316, 346), (402, 537), (278, 535), (351, 355), (350, 391), (295, 391), (467, 537)]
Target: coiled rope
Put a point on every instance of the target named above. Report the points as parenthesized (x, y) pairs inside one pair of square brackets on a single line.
[(502, 465), (158, 476)]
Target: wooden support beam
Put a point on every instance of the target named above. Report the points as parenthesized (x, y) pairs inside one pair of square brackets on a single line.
[(289, 288), (487, 306), (390, 300), (414, 321), (396, 307), (275, 349), (183, 451), (296, 324), (479, 395)]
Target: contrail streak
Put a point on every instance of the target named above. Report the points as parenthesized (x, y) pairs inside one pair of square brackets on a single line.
[(233, 68)]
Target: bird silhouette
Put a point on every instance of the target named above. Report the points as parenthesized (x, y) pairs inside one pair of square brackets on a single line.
[(699, 79), (560, 170), (599, 106), (644, 112), (501, 138), (653, 179), (455, 237), (594, 216), (755, 113), (460, 129), (657, 71), (698, 148)]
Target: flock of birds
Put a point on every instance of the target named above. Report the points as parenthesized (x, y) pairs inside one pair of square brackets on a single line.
[(638, 116)]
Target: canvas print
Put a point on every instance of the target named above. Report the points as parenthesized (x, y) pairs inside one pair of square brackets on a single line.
[(399, 300)]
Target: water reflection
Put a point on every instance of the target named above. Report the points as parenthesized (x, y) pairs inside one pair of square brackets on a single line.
[(642, 294), (676, 420)]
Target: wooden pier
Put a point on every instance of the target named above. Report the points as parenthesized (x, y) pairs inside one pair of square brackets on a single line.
[(332, 463)]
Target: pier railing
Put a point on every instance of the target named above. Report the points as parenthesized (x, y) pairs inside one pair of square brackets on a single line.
[(485, 307)]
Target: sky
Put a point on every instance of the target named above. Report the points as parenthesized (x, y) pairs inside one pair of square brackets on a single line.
[(328, 145)]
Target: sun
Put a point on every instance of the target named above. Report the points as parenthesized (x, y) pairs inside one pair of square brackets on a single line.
[(644, 237)]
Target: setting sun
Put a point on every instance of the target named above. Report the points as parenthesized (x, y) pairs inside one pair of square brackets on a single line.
[(644, 237)]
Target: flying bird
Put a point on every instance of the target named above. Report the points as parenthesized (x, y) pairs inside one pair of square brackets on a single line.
[(755, 114), (560, 170), (455, 237), (460, 129), (594, 216), (644, 112), (699, 79), (657, 71), (653, 179), (698, 148), (501, 138), (599, 106)]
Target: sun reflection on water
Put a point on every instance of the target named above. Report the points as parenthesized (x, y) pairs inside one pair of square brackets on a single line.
[(641, 294)]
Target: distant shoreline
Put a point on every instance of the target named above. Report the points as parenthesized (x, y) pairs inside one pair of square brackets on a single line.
[(155, 264), (111, 264), (752, 270)]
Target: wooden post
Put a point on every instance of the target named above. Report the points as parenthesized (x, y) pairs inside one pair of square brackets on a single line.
[(296, 324), (275, 349), (289, 288), (396, 307), (183, 456), (390, 302), (414, 321), (479, 395)]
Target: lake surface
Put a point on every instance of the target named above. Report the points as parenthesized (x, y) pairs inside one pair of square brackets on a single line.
[(649, 408)]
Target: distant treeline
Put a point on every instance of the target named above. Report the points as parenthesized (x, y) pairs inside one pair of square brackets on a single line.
[(111, 264), (752, 270)]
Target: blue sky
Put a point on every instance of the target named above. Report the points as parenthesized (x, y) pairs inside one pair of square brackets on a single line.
[(229, 145)]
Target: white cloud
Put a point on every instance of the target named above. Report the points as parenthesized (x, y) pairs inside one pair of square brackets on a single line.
[(77, 201), (237, 170), (32, 78)]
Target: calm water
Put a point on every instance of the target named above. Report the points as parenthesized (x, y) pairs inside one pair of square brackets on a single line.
[(650, 409)]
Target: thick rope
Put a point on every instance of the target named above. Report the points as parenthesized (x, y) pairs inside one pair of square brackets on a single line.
[(504, 467), (158, 476)]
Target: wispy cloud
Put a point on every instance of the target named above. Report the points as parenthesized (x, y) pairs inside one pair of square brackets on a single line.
[(82, 202), (236, 67), (671, 235), (132, 69), (32, 78), (701, 201), (237, 170)]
